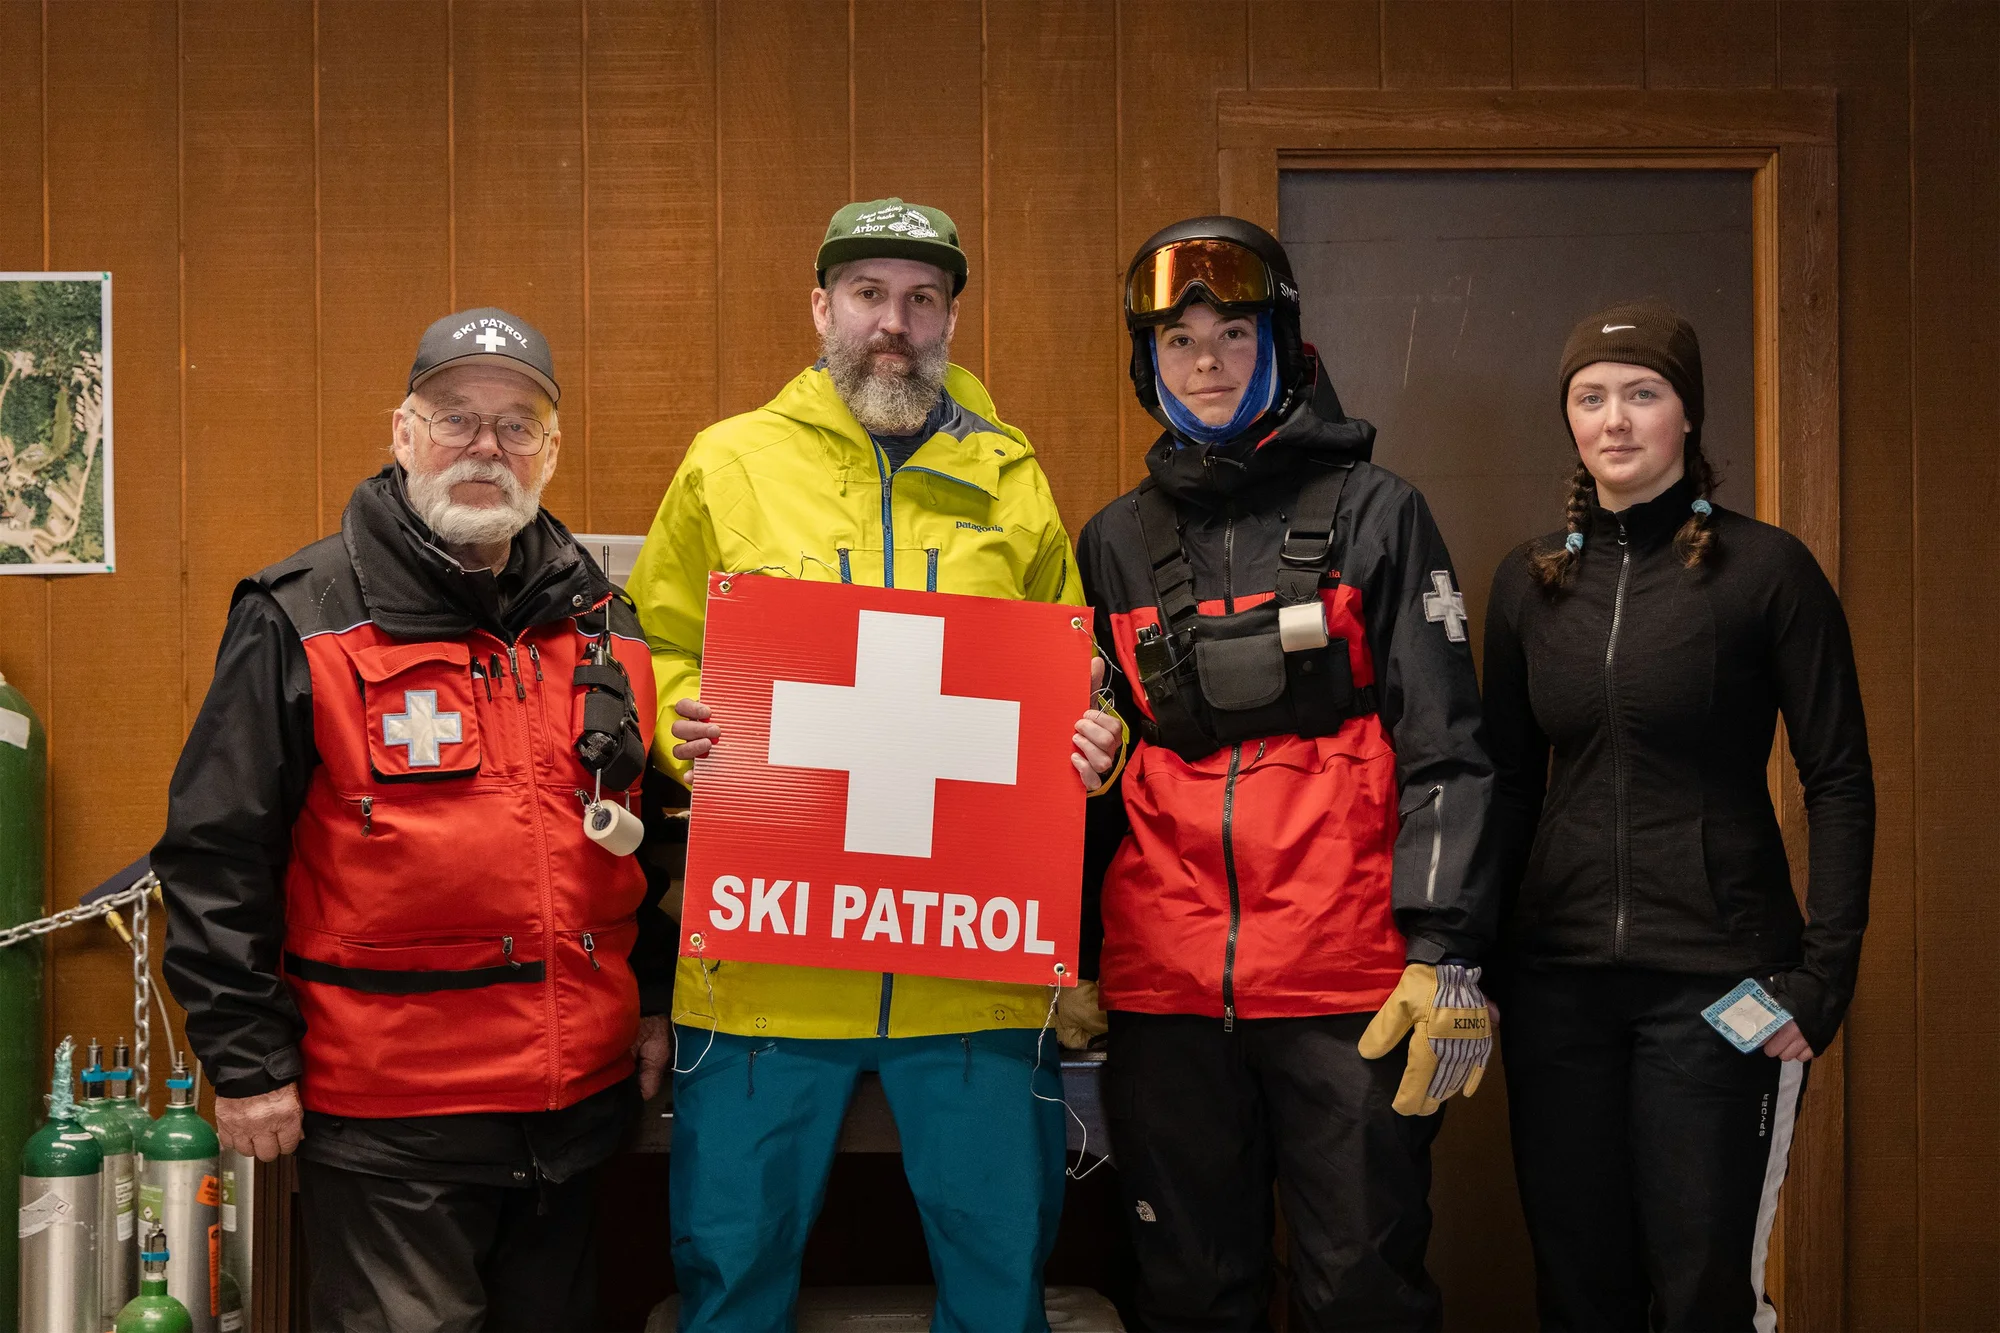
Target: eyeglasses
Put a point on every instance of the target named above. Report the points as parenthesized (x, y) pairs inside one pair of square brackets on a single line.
[(1229, 274), (455, 428)]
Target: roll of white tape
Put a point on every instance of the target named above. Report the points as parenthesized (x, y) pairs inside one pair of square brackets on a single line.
[(613, 827), (1303, 626)]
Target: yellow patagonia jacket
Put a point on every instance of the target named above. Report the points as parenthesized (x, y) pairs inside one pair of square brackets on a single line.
[(797, 486)]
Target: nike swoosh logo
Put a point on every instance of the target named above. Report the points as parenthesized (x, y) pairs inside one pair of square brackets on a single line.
[(1613, 328)]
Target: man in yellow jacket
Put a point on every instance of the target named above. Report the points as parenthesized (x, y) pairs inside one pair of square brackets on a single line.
[(885, 465)]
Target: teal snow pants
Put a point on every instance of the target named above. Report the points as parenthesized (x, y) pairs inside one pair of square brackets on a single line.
[(756, 1123)]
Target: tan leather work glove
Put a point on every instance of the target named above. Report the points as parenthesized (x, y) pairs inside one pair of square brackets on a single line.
[(1078, 1017), (1451, 1035)]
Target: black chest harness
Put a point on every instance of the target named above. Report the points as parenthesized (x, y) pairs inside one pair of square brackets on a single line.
[(1272, 670)]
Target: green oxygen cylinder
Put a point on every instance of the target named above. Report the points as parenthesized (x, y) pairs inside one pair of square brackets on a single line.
[(60, 1172), (181, 1194), (153, 1310), (23, 829), (118, 1196), (125, 1104)]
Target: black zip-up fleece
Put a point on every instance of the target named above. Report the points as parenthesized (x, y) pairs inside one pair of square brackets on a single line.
[(1651, 841)]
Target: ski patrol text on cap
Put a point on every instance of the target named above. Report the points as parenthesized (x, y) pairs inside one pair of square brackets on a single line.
[(486, 336), (892, 229)]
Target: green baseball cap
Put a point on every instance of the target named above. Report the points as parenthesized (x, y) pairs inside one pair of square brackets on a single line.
[(892, 229)]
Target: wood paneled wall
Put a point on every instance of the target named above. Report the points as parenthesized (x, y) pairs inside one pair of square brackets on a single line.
[(287, 192)]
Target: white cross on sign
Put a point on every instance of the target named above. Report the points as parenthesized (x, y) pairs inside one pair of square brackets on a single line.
[(1446, 604), (421, 727), (492, 340), (895, 733)]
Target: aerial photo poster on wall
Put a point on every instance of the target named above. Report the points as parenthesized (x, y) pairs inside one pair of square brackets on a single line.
[(55, 423)]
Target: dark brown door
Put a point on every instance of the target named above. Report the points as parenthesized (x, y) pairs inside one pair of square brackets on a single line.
[(1439, 300)]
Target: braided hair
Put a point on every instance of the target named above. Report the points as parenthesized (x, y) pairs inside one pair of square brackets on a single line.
[(1694, 542)]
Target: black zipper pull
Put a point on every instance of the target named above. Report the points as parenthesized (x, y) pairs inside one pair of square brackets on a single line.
[(507, 951), (514, 667), (590, 952), (1229, 1018), (535, 656), (367, 814)]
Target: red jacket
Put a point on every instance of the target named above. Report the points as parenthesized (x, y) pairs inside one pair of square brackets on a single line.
[(1290, 876), (454, 941)]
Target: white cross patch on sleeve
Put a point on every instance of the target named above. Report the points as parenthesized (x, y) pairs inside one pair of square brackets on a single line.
[(1447, 605)]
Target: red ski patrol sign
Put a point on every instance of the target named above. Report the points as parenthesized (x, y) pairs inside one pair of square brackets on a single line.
[(893, 790)]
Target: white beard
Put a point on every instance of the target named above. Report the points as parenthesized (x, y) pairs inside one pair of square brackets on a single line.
[(887, 402), (474, 525)]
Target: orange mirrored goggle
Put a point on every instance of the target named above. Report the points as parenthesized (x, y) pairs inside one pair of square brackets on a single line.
[(1228, 273)]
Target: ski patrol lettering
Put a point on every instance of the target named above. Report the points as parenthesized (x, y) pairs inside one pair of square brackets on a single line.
[(892, 792), (916, 917), (495, 333)]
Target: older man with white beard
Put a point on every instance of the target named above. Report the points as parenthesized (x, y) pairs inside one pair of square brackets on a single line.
[(885, 465), (401, 952)]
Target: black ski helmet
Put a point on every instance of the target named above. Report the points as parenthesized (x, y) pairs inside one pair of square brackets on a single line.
[(1295, 366)]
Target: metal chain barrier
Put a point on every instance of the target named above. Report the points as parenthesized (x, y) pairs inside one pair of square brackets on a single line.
[(142, 991), (48, 925), (138, 897)]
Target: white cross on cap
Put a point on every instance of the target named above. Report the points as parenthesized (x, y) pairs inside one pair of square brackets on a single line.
[(893, 770), (421, 728), (492, 340)]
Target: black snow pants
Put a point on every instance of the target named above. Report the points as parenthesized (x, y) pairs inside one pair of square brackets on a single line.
[(1203, 1121), (1648, 1149), (392, 1255)]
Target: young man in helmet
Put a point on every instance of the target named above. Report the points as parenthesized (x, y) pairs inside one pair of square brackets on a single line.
[(1290, 892)]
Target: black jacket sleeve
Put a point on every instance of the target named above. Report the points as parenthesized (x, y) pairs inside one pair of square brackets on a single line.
[(1514, 739), (1812, 662), (663, 855), (238, 787), (1428, 695), (1105, 822)]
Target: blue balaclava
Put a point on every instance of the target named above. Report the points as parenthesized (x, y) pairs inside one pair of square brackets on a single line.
[(1258, 395)]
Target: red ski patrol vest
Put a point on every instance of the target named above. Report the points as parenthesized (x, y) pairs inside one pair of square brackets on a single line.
[(454, 941)]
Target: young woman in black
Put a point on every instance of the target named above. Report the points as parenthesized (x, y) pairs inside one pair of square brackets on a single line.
[(1648, 649)]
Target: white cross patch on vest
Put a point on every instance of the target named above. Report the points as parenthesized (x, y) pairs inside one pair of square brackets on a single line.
[(421, 728), (1447, 604)]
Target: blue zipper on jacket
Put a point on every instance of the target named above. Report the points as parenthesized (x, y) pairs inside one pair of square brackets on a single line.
[(888, 581)]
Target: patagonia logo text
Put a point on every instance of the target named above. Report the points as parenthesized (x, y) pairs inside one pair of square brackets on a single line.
[(980, 527)]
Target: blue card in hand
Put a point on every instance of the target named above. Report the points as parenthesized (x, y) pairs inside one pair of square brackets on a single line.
[(1747, 1016)]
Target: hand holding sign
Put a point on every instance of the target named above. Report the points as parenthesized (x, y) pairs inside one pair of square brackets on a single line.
[(892, 794)]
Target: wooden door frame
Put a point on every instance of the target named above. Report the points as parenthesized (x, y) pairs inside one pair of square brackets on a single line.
[(1788, 139)]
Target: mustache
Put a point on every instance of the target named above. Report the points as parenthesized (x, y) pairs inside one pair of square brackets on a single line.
[(897, 343), (480, 469)]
